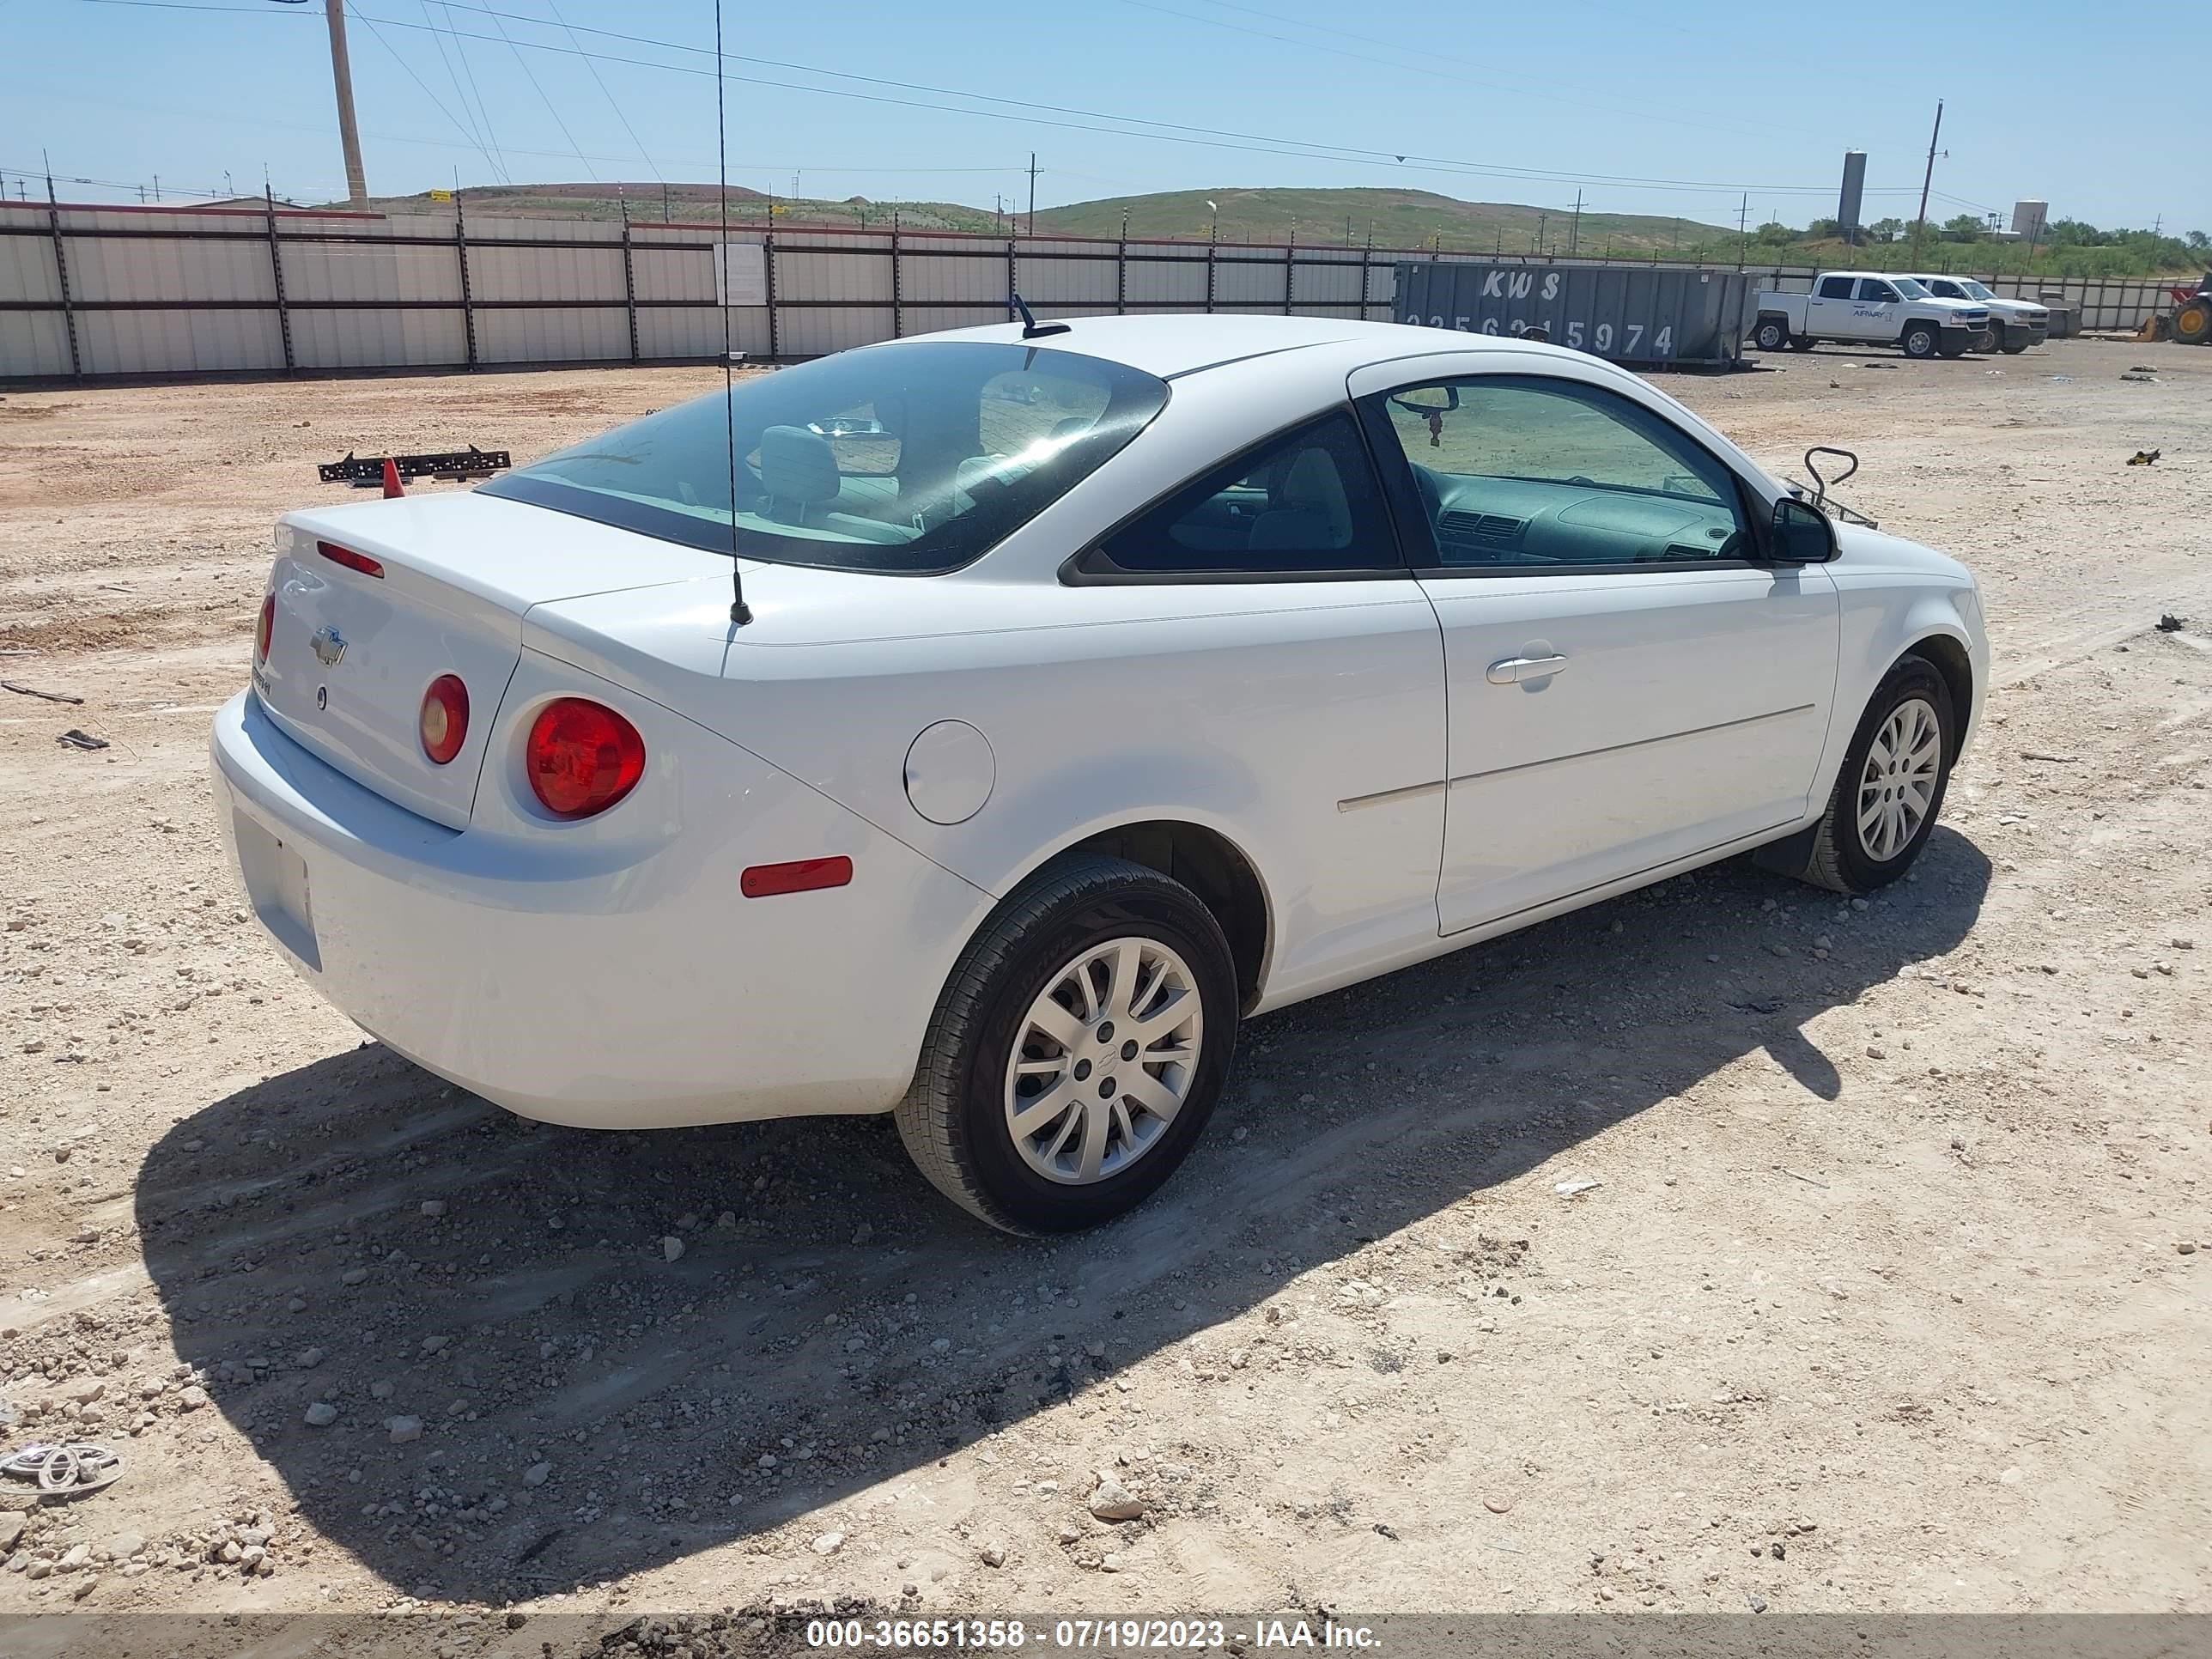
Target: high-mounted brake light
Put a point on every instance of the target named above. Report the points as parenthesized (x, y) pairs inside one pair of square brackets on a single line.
[(799, 876), (443, 722), (349, 559), (581, 757), (267, 628)]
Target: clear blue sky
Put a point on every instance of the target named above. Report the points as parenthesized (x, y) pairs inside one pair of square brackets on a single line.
[(1608, 95)]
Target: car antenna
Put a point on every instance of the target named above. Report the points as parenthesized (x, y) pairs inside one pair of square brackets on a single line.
[(1032, 328), (740, 613)]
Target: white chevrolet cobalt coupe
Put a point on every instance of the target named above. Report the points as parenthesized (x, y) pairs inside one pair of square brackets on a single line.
[(1095, 687)]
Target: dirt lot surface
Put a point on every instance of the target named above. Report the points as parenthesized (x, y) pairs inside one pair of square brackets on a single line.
[(1890, 1295)]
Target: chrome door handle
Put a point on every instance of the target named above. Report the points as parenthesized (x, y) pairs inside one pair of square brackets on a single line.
[(1514, 670)]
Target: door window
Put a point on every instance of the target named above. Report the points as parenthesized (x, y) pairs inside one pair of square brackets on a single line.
[(1873, 292), (1523, 475), (1835, 288), (1304, 504)]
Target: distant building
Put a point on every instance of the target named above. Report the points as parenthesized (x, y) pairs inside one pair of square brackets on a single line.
[(2029, 218)]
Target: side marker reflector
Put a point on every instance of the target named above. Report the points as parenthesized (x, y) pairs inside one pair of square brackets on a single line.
[(799, 876)]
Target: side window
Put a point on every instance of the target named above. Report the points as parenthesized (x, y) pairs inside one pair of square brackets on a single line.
[(1301, 504), (1527, 474), (1949, 291), (1874, 292), (1835, 288)]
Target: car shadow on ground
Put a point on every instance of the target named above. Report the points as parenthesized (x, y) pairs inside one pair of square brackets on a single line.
[(357, 1232)]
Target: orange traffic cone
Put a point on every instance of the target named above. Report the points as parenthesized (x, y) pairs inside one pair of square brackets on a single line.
[(392, 486)]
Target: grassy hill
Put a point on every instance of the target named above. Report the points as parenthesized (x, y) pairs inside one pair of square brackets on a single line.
[(1400, 218)]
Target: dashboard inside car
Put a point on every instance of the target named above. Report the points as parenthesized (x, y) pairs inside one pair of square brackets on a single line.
[(1546, 523)]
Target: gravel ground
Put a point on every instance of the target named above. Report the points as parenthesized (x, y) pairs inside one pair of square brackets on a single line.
[(1888, 1296)]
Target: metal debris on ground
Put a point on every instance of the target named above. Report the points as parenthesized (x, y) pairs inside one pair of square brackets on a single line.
[(34, 691), (1569, 1188), (67, 1469), (452, 465), (2170, 623), (2143, 457), (2147, 379), (76, 739)]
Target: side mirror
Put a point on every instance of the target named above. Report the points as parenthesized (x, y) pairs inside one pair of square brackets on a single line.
[(1799, 534), (1424, 401)]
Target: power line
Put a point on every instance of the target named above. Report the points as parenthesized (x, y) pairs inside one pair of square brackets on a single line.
[(1519, 89), (1051, 114), (497, 158), (462, 97), (531, 75), (398, 58), (611, 103)]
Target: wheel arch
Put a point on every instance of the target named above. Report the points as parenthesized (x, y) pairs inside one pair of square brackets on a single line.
[(1203, 857), (1949, 654)]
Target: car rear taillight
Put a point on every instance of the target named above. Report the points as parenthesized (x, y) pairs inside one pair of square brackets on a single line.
[(349, 559), (583, 757), (444, 723), (265, 628)]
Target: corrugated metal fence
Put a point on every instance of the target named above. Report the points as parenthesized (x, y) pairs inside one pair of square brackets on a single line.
[(88, 291)]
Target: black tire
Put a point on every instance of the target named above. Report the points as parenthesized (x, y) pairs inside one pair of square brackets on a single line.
[(1837, 857), (1919, 340), (2015, 350), (1802, 342), (1773, 334), (1958, 350), (1996, 340), (954, 1119), (2192, 322)]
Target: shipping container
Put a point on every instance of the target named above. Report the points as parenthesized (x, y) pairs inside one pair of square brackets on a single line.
[(1651, 318)]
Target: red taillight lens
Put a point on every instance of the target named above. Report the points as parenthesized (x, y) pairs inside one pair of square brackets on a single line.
[(349, 559), (266, 627), (443, 722), (583, 757)]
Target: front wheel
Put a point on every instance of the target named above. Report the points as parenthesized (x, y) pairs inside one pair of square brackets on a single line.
[(1919, 340), (1077, 1050), (1772, 334), (1891, 787), (2013, 351)]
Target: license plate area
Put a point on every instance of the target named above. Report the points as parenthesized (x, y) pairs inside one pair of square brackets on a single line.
[(277, 886)]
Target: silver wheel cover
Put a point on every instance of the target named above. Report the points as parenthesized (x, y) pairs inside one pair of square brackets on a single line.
[(1104, 1059), (1898, 784)]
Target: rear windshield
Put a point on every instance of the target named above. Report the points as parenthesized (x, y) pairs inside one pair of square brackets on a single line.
[(912, 458)]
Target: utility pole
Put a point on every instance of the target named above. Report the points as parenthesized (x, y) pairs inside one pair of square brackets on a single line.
[(1920, 224), (1032, 223), (1575, 230), (1742, 229), (342, 79), (1540, 217)]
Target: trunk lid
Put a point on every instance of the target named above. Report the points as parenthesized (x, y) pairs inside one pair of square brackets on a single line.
[(352, 653)]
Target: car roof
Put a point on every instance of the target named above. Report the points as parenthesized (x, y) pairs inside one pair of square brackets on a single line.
[(1169, 345)]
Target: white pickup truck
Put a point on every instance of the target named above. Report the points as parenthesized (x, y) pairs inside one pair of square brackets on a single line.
[(2014, 325), (1864, 307)]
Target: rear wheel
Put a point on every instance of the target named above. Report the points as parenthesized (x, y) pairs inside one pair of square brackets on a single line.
[(1772, 334), (1801, 342), (1919, 340), (1077, 1051), (1891, 786), (2016, 348), (2192, 323)]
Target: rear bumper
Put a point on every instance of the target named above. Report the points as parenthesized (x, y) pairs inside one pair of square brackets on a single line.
[(628, 989)]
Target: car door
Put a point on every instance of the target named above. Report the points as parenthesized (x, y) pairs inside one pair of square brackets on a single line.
[(1277, 639), (1878, 314), (1625, 684), (1828, 311)]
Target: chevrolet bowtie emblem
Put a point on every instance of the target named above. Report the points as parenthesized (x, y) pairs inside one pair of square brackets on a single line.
[(329, 645)]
